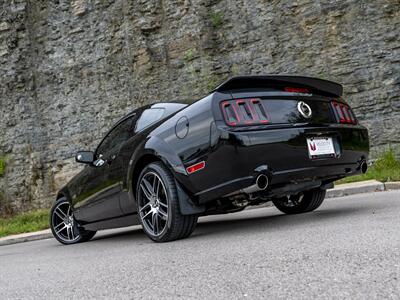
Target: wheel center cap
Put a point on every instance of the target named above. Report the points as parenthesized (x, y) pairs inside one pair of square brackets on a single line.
[(154, 201), (69, 221)]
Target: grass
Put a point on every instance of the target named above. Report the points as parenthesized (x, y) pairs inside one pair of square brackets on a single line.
[(386, 168), (26, 222)]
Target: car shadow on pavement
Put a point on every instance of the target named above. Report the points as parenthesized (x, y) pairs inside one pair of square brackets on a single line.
[(128, 233), (273, 222), (257, 220)]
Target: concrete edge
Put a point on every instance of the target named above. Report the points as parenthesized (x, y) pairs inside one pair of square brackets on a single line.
[(361, 187), (392, 185), (25, 237), (338, 191), (355, 188)]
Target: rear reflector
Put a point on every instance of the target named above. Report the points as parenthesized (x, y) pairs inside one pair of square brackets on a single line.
[(244, 112), (343, 113), (196, 167)]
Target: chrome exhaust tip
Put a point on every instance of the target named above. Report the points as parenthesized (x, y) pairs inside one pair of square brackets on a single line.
[(262, 181), (364, 167)]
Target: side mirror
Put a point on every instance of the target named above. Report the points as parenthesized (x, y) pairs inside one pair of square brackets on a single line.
[(84, 157)]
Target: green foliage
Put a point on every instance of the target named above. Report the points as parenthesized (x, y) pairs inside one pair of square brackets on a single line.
[(189, 54), (211, 82), (386, 168), (387, 161), (26, 222), (2, 166), (235, 70), (323, 75), (216, 19)]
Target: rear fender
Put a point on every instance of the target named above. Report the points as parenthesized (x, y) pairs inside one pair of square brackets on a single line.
[(162, 151), (159, 149)]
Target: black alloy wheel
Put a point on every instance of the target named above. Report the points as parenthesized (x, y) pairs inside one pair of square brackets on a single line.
[(158, 205), (300, 203), (64, 226)]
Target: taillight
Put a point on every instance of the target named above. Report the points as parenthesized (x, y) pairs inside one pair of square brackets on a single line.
[(244, 112), (343, 113), (230, 113)]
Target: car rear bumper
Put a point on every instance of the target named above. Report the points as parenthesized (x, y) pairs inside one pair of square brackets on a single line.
[(239, 156)]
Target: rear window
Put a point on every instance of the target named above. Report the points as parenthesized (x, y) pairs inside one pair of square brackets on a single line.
[(149, 117)]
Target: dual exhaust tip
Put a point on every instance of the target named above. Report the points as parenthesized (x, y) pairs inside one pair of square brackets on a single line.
[(261, 184), (262, 180)]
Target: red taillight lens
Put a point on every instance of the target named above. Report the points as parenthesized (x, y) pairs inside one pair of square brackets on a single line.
[(343, 113), (244, 112), (260, 111), (230, 113)]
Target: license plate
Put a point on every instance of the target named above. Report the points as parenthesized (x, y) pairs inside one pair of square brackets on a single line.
[(320, 146)]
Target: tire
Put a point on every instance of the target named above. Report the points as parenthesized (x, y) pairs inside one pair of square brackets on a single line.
[(158, 205), (63, 225), (300, 203)]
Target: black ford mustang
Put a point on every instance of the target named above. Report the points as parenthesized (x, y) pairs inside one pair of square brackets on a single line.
[(254, 139)]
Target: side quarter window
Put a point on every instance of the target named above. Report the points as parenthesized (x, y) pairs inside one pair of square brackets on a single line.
[(148, 117), (116, 137)]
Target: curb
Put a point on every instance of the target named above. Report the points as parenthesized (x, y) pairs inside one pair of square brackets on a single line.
[(338, 191), (392, 185), (361, 188), (26, 237), (355, 188)]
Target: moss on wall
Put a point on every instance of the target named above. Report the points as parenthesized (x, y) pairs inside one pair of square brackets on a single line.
[(2, 166)]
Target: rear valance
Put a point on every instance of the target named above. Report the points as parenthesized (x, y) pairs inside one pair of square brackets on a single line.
[(268, 81)]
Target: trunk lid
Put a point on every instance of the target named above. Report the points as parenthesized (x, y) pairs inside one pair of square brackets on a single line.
[(277, 110), (282, 99)]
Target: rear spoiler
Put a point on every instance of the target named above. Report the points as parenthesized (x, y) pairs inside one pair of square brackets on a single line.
[(263, 81)]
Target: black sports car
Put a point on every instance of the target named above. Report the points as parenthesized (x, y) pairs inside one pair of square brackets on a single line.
[(284, 139)]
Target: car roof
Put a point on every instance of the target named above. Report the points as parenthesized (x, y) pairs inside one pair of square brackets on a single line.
[(170, 107)]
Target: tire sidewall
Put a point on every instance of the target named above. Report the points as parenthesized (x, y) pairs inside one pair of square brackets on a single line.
[(56, 203), (171, 193), (305, 206)]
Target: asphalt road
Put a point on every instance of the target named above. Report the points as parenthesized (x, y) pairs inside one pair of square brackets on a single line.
[(348, 248)]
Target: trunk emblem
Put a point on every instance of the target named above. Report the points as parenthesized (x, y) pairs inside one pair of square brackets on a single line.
[(304, 109)]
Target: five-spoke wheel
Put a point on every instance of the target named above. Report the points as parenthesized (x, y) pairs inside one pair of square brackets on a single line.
[(158, 205), (153, 203), (63, 224)]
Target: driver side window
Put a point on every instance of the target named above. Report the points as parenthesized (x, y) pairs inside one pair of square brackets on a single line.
[(115, 138)]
